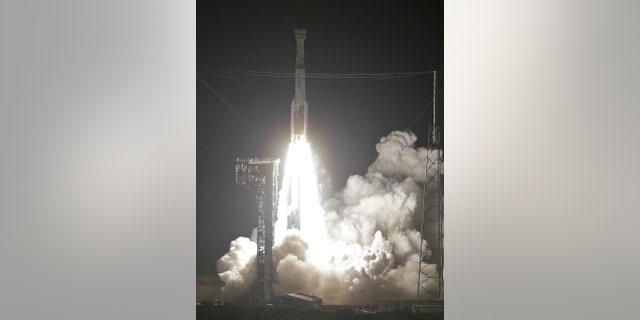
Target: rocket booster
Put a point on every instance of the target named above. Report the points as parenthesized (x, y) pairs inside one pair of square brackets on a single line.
[(299, 105)]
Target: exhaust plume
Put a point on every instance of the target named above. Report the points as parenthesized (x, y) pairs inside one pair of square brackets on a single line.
[(372, 242)]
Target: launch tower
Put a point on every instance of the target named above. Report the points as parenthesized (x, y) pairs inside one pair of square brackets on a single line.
[(430, 275), (261, 176)]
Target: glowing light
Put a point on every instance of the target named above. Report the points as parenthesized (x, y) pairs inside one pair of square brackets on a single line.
[(299, 195)]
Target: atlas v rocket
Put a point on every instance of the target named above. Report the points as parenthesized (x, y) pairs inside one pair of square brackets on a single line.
[(299, 105), (299, 110)]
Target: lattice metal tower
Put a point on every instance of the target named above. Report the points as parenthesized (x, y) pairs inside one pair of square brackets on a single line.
[(430, 275), (261, 175)]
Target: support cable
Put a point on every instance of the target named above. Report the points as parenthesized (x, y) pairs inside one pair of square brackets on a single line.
[(423, 111), (235, 73), (231, 107)]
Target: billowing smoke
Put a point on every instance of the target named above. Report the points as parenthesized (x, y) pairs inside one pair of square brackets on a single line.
[(237, 268), (372, 246)]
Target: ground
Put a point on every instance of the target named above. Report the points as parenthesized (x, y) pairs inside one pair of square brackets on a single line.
[(229, 311)]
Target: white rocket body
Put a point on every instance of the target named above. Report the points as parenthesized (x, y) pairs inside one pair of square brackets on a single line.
[(299, 107)]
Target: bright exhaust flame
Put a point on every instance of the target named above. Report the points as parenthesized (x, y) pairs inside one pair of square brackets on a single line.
[(299, 195)]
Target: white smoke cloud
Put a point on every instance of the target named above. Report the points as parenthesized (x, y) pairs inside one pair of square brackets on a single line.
[(237, 268), (373, 244), (397, 156)]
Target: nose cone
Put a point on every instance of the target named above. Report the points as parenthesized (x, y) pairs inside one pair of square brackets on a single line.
[(301, 33)]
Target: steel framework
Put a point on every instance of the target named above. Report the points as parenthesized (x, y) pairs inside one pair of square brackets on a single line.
[(261, 176), (430, 274)]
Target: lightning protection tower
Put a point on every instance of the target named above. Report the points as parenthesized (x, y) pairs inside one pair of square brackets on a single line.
[(430, 274), (261, 176)]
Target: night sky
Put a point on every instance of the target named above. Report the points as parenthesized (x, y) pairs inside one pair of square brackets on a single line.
[(347, 117)]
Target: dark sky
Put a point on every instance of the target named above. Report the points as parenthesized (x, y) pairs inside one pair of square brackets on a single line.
[(346, 117)]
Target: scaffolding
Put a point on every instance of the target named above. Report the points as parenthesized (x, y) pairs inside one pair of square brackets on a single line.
[(261, 176), (430, 273)]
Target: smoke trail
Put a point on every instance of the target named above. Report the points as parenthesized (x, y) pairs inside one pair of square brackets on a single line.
[(371, 246)]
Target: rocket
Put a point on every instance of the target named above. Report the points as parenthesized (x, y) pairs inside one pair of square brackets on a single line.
[(299, 110), (299, 105)]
